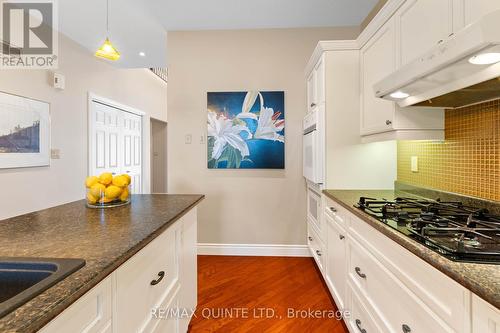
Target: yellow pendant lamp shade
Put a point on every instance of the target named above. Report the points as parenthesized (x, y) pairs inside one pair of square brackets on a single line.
[(107, 51)]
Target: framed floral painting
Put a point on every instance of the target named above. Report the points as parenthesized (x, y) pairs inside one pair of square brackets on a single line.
[(246, 130)]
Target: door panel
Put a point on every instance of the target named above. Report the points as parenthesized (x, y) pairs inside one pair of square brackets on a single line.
[(416, 40), (378, 59), (475, 9), (116, 143)]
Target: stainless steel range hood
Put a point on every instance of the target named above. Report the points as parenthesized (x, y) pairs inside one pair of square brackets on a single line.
[(463, 70)]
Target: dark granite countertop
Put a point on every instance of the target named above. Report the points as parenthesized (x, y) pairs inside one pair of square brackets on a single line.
[(482, 279), (104, 238)]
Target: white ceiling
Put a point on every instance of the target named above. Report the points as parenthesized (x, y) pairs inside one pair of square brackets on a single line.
[(141, 25)]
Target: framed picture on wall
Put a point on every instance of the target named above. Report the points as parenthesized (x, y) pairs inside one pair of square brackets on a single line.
[(246, 130), (24, 132)]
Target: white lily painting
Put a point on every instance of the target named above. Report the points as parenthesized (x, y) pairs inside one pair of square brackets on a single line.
[(246, 130)]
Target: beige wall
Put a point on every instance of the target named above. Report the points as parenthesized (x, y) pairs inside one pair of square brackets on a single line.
[(241, 206), (25, 190)]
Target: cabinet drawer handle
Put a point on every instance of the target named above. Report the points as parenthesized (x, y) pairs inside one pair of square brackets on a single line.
[(341, 237), (313, 105), (388, 122), (406, 328), (318, 252), (358, 271), (358, 324), (161, 275), (310, 238), (333, 209)]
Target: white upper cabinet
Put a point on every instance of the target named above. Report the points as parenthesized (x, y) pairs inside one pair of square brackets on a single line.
[(311, 91), (316, 86), (378, 59), (413, 29), (475, 9), (422, 25)]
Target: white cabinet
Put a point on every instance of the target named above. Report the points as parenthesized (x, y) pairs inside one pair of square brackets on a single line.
[(314, 208), (422, 24), (316, 85), (378, 59), (154, 291), (90, 314), (485, 317), (146, 281), (189, 270), (336, 260), (386, 287), (475, 9)]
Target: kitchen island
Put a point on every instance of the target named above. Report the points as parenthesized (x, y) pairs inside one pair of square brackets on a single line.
[(105, 239)]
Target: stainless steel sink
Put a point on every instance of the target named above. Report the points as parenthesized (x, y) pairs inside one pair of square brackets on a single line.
[(21, 279)]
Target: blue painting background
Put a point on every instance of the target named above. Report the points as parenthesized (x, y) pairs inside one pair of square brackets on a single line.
[(264, 154)]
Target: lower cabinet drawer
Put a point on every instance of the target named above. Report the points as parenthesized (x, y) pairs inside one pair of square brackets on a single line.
[(90, 314), (360, 319), (145, 280), (167, 321), (399, 308), (316, 246), (445, 297)]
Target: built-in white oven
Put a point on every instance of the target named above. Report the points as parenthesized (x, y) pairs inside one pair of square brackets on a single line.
[(312, 157)]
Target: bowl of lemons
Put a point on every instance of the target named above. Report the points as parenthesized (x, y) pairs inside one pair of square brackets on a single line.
[(108, 190)]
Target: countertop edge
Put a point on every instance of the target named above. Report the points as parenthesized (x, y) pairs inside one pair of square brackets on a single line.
[(417, 249), (68, 301)]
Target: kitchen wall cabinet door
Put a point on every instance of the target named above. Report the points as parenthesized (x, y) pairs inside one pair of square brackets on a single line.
[(475, 9), (336, 260), (311, 90), (316, 86), (485, 317), (378, 59), (422, 24)]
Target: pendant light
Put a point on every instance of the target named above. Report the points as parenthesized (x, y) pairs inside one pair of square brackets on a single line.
[(107, 50)]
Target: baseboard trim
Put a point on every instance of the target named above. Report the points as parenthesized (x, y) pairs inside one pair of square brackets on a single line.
[(266, 250)]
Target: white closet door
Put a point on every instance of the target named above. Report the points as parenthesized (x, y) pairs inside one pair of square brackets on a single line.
[(115, 143), (106, 132), (132, 144)]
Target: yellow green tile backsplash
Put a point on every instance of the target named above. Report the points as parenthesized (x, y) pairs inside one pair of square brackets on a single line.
[(467, 162)]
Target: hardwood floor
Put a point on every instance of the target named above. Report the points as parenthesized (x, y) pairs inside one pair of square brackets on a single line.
[(234, 294)]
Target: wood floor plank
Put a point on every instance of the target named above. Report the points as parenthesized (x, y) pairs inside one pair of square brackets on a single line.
[(235, 292)]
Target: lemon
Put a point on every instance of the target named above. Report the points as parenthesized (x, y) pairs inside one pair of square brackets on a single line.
[(91, 181), (124, 195), (97, 190), (120, 181), (105, 200), (112, 192), (91, 199), (105, 178), (129, 180)]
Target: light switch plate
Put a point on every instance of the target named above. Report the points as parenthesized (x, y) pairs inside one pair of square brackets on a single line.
[(55, 154), (414, 163), (188, 139)]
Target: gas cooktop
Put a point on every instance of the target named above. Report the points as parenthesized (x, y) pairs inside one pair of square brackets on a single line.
[(456, 231)]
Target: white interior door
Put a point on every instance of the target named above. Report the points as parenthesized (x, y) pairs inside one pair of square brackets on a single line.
[(132, 149), (115, 143)]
